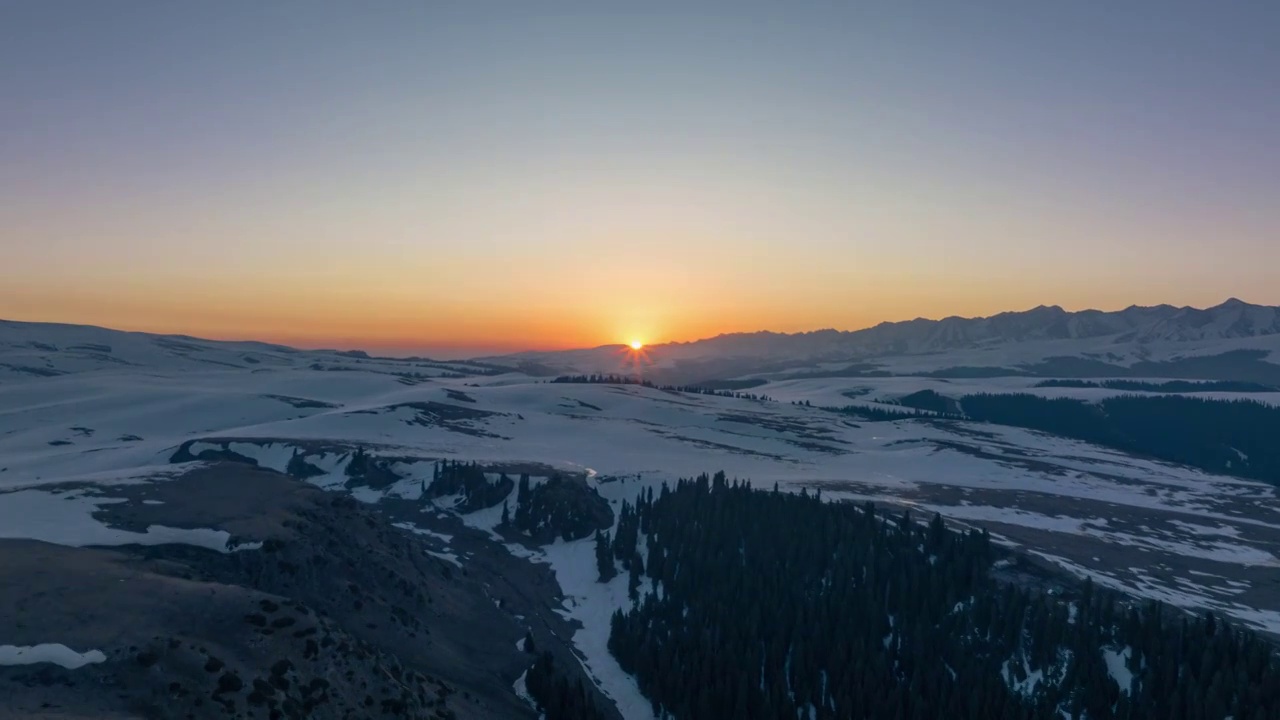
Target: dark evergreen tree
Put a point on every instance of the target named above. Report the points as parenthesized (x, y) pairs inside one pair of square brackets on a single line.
[(522, 501), (604, 557), (627, 535), (635, 568), (556, 697)]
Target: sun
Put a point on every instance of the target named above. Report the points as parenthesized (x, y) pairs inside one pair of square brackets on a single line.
[(636, 344)]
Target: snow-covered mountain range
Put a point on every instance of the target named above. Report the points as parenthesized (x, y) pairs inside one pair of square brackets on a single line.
[(1011, 340), (1232, 319), (1032, 342)]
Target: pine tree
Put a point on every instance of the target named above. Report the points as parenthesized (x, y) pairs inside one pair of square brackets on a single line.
[(633, 581), (604, 557), (523, 500)]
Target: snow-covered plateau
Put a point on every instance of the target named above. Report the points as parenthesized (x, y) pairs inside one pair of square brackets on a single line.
[(87, 413)]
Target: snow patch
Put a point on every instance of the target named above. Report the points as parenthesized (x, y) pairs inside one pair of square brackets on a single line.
[(366, 494), (439, 537), (1117, 666), (522, 691), (67, 519), (55, 653), (592, 604), (1025, 686), (1221, 530)]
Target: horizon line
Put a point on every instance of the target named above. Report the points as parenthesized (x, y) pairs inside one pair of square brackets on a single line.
[(497, 350)]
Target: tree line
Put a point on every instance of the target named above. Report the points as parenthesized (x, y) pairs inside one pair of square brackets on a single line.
[(1167, 386), (556, 697), (770, 605), (1233, 437), (610, 379)]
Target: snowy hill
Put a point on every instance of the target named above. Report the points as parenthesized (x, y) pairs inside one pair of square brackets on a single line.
[(122, 423), (91, 419), (50, 349)]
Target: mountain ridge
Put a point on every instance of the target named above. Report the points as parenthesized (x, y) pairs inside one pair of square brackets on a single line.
[(1012, 341), (1164, 310), (1038, 333), (1130, 331)]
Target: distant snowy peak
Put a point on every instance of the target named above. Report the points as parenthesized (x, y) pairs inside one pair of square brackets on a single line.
[(1007, 340), (1232, 319), (1166, 323)]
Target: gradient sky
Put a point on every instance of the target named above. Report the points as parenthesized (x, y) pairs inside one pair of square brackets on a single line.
[(450, 176)]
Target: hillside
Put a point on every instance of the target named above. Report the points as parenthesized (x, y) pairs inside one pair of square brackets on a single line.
[(30, 350), (231, 591)]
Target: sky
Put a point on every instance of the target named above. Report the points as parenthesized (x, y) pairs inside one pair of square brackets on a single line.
[(457, 177)]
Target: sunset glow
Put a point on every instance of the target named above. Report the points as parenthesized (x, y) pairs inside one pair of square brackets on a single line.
[(636, 344), (601, 173)]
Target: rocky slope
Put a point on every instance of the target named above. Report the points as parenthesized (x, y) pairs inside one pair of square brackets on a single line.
[(337, 614)]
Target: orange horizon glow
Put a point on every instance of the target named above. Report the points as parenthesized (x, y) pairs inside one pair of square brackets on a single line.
[(389, 322)]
